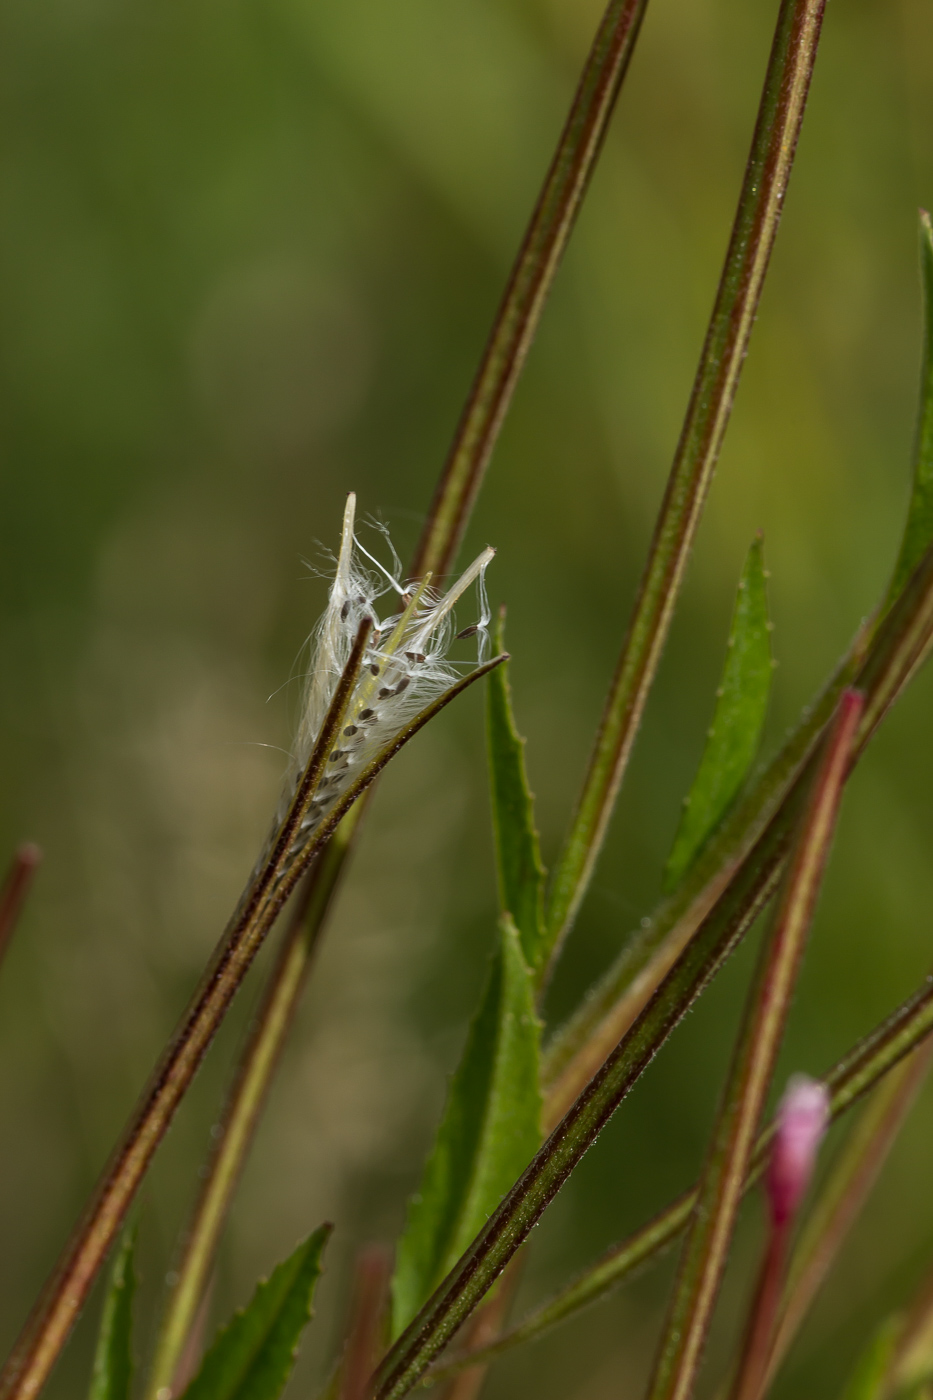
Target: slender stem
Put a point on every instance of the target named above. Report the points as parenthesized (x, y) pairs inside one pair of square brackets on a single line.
[(842, 1198), (367, 1324), (875, 1056), (529, 284), (15, 889), (241, 1112), (754, 1362), (766, 175), (48, 1327), (721, 1185)]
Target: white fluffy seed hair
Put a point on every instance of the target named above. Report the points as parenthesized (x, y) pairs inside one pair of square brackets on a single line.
[(405, 665)]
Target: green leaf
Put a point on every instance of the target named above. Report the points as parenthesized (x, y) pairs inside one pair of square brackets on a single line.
[(741, 704), (518, 856), (253, 1355), (918, 532), (113, 1359), (489, 1132), (869, 1380)]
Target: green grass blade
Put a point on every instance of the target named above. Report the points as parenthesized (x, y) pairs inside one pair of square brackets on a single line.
[(489, 1132), (918, 532), (741, 704), (254, 1354), (518, 855), (113, 1359)]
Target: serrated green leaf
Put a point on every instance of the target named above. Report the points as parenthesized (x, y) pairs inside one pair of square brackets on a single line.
[(518, 855), (741, 705), (869, 1380), (918, 532), (113, 1359), (254, 1354), (489, 1132)]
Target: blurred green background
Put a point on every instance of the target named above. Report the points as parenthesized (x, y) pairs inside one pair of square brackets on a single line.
[(250, 250)]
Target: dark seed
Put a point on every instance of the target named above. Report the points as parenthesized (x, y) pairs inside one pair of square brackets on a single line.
[(367, 714), (416, 656), (468, 632), (374, 670), (403, 684), (350, 729), (344, 610), (384, 692)]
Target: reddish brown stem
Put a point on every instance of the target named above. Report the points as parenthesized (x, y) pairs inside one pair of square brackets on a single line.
[(15, 889)]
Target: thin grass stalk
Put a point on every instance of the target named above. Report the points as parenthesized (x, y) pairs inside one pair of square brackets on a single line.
[(47, 1328), (721, 1186), (244, 1105), (877, 1055), (774, 144), (841, 1200), (15, 888), (532, 276)]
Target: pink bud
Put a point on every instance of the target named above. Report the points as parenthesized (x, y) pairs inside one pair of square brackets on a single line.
[(803, 1117)]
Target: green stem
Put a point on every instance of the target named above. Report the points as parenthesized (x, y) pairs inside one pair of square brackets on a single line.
[(244, 1105), (876, 1056), (529, 284), (766, 175), (46, 1330), (721, 1186)]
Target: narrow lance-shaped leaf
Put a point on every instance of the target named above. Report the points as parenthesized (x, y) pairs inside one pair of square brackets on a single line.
[(488, 1134), (518, 856), (113, 1359), (918, 532), (254, 1354), (733, 738)]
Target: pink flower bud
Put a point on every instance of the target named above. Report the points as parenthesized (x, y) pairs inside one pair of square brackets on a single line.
[(803, 1117)]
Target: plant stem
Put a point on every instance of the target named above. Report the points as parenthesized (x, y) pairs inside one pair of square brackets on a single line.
[(367, 1324), (47, 1329), (844, 1194), (244, 1105), (721, 1186), (766, 175), (530, 282), (15, 889), (876, 1055)]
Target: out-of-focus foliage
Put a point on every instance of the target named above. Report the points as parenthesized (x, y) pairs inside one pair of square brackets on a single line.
[(248, 255)]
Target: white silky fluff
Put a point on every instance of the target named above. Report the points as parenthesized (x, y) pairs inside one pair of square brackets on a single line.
[(405, 666)]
